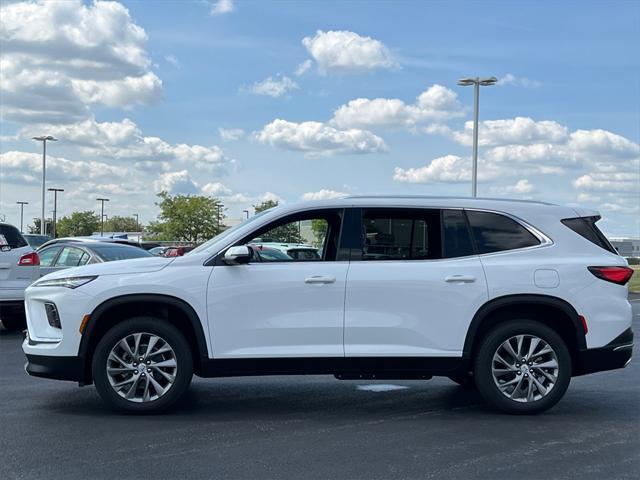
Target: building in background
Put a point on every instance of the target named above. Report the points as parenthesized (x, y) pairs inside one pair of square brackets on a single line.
[(627, 247)]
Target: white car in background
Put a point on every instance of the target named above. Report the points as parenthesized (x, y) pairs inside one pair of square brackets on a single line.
[(297, 251), (19, 267)]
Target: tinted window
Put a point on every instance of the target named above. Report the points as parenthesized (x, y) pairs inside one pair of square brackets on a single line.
[(401, 234), (113, 253), (494, 232), (457, 238), (272, 255), (12, 237), (587, 228), (48, 255), (69, 257)]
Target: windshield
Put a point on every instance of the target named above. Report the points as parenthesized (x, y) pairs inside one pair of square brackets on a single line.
[(227, 232)]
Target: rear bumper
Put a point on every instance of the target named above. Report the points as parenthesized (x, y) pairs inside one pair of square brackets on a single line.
[(58, 368), (614, 355)]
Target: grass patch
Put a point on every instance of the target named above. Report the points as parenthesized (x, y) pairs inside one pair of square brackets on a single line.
[(634, 283)]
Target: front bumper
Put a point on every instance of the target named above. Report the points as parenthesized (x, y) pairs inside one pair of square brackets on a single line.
[(58, 368), (614, 355)]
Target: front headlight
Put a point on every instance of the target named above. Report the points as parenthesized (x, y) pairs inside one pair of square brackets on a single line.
[(68, 282)]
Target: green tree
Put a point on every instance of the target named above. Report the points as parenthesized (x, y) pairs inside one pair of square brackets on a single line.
[(121, 224), (79, 224), (288, 233), (191, 218)]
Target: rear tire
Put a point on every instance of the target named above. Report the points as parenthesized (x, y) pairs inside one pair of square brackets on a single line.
[(142, 365), (514, 386)]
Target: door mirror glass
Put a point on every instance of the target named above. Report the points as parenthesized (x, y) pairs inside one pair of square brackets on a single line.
[(237, 255)]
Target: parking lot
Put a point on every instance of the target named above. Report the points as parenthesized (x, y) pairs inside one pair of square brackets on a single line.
[(316, 427)]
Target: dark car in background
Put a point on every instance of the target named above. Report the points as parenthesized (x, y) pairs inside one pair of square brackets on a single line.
[(36, 241), (66, 254)]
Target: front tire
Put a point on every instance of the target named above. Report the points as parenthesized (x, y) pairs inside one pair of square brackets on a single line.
[(142, 365), (522, 367)]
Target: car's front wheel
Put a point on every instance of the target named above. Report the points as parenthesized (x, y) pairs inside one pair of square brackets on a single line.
[(142, 365), (522, 367)]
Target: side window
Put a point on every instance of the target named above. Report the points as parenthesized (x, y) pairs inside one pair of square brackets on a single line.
[(314, 233), (47, 256), (401, 234), (457, 238), (69, 257), (494, 232)]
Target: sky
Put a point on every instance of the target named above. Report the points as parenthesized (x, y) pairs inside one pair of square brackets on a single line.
[(255, 100)]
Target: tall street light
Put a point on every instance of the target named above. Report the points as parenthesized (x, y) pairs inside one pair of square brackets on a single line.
[(247, 212), (137, 221), (102, 200), (476, 82), (44, 139), (22, 204), (54, 230)]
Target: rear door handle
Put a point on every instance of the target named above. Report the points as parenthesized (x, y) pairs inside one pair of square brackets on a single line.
[(460, 279), (320, 279)]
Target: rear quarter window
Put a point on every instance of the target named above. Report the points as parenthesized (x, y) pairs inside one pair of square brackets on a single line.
[(10, 236), (494, 232), (586, 227)]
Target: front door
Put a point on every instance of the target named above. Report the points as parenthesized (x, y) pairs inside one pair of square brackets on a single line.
[(277, 305)]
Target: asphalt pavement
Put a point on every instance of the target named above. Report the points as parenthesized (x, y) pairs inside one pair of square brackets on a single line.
[(316, 427)]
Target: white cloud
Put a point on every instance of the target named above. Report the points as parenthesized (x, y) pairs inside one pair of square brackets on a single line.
[(510, 79), (518, 130), (274, 87), (609, 182), (173, 60), (60, 58), (231, 134), (520, 188), (450, 169), (315, 138), (303, 67), (221, 7), (323, 194), (216, 189), (344, 51), (435, 103), (124, 140), (179, 182), (603, 143)]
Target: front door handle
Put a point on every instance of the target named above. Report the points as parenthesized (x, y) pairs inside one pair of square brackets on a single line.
[(320, 279), (460, 279)]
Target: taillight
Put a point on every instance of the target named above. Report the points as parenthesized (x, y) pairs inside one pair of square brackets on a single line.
[(29, 260), (619, 275)]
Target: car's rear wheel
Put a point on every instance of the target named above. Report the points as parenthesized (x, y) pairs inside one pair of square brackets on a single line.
[(142, 365), (522, 367)]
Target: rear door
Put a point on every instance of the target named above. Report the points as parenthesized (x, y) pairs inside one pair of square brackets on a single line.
[(415, 285)]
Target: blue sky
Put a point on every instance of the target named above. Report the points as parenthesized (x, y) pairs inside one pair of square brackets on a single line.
[(154, 83)]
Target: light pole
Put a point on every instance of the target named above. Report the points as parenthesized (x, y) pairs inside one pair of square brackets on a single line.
[(44, 139), (102, 200), (476, 82), (54, 230), (247, 212), (137, 221), (22, 204)]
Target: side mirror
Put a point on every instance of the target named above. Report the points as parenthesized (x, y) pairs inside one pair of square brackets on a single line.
[(237, 255)]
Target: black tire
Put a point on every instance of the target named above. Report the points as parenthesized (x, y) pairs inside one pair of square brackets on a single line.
[(464, 380), (484, 362), (149, 325), (14, 321)]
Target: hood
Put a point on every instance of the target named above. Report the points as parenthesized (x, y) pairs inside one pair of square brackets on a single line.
[(118, 267)]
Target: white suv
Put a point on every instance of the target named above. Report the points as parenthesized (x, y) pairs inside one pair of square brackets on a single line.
[(514, 297)]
